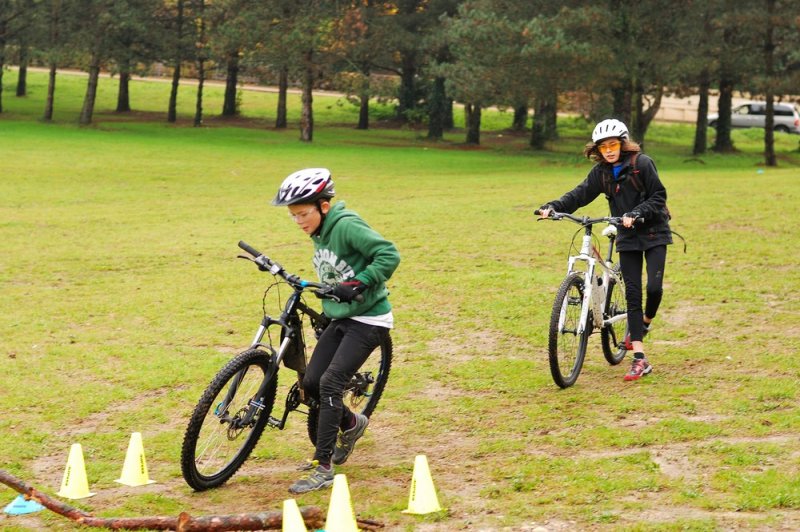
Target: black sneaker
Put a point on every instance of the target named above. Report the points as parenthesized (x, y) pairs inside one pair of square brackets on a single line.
[(320, 477), (347, 440)]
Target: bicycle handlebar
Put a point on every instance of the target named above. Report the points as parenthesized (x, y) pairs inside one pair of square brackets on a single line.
[(585, 220), (264, 263)]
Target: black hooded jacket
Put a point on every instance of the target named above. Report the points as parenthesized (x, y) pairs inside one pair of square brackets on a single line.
[(623, 198)]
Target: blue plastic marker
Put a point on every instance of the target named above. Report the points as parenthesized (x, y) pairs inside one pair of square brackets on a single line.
[(20, 506)]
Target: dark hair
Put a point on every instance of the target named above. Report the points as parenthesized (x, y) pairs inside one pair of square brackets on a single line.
[(590, 151)]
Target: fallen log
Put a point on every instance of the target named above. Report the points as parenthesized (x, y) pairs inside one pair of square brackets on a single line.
[(312, 515)]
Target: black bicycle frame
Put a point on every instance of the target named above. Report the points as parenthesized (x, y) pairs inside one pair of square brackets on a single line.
[(293, 304)]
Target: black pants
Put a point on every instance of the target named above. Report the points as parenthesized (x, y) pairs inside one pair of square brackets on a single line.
[(631, 264), (342, 349)]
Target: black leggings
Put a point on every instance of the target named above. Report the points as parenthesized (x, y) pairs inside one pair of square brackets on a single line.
[(342, 349), (631, 264)]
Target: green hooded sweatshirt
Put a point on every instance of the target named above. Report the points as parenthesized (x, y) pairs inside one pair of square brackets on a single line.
[(348, 249)]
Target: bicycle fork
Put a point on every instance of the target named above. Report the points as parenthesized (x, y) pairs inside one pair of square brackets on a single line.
[(255, 404)]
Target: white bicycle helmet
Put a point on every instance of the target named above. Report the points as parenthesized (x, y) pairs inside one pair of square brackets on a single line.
[(608, 129), (305, 186)]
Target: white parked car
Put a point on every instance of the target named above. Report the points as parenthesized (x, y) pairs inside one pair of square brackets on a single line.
[(754, 114)]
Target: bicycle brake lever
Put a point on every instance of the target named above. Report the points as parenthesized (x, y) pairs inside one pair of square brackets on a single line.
[(326, 293), (255, 261)]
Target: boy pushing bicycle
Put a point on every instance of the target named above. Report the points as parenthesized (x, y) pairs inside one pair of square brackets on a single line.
[(358, 261)]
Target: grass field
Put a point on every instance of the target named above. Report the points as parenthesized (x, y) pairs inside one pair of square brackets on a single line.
[(121, 297)]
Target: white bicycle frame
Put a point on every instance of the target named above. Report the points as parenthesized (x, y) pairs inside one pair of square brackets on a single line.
[(595, 287)]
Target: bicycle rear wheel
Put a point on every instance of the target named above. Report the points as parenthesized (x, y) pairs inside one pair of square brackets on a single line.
[(365, 388), (566, 347), (613, 336), (217, 441)]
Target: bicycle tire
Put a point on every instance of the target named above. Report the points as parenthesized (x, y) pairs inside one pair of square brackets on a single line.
[(360, 396), (567, 349), (206, 461), (612, 337)]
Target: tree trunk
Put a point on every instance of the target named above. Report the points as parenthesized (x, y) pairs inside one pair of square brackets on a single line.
[(643, 117), (363, 107), (91, 90), (769, 129), (407, 97), (22, 79), (51, 91), (769, 67), (621, 95), (437, 110), (544, 121), (723, 142), (701, 125), (363, 111), (123, 95), (198, 111), (172, 110), (283, 88), (539, 128), (473, 112), (307, 113), (201, 62), (3, 29), (520, 121), (229, 107), (550, 112)]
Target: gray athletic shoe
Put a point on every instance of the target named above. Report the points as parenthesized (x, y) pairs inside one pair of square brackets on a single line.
[(320, 477), (348, 438)]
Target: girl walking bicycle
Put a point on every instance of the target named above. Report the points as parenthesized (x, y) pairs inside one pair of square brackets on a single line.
[(630, 182)]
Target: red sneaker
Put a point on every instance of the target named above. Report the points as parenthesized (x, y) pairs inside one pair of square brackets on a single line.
[(639, 368)]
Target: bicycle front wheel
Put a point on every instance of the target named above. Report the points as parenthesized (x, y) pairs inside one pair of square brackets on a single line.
[(567, 347), (613, 336), (365, 388), (227, 421)]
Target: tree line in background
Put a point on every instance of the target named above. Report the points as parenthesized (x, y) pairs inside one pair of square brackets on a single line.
[(601, 58)]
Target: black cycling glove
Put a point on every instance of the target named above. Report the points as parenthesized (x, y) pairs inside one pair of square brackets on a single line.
[(347, 291)]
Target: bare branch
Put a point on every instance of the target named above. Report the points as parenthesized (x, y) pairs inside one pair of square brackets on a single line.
[(312, 515)]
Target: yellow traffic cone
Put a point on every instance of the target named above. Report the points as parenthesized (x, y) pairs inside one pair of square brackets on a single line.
[(292, 519), (134, 471), (340, 512), (75, 485), (422, 499)]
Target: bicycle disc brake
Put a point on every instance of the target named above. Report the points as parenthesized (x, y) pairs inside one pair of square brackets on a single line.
[(360, 383)]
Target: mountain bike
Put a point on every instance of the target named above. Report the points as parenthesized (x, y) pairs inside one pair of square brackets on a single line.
[(237, 405), (591, 297)]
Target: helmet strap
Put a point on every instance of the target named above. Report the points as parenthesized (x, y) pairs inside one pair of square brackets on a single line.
[(318, 204)]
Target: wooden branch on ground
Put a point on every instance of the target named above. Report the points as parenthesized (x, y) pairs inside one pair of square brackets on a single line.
[(312, 515)]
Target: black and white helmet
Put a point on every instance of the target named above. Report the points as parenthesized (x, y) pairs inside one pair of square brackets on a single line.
[(608, 129), (305, 186)]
